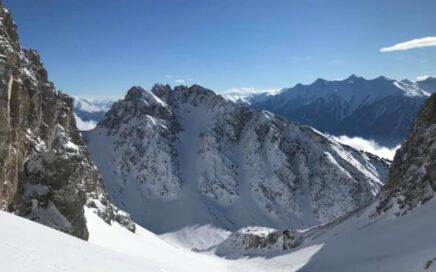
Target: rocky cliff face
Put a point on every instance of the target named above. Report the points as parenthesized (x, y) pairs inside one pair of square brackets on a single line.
[(45, 171), (412, 177), (186, 156)]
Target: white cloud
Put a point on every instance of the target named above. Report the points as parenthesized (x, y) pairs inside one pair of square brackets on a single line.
[(369, 146), (94, 104), (415, 43), (236, 94), (84, 125), (180, 81)]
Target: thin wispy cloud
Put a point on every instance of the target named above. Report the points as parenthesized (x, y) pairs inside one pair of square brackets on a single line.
[(180, 81), (412, 44)]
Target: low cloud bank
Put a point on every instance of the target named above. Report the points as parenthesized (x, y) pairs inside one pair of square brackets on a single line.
[(241, 94), (369, 146), (84, 125)]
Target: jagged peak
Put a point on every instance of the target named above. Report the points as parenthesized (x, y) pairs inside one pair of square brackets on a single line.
[(382, 78), (163, 91), (8, 27), (137, 93), (159, 87), (320, 81), (195, 90), (353, 77), (134, 92)]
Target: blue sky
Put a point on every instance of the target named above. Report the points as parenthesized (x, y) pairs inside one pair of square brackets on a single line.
[(102, 47)]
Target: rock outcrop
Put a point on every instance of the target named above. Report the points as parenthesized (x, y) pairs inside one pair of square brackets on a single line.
[(45, 171), (412, 177), (258, 241)]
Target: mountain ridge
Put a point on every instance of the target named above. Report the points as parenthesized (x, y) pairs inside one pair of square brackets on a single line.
[(379, 109)]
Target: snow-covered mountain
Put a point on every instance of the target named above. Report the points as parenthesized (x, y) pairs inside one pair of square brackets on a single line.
[(394, 233), (427, 84), (175, 158), (380, 109), (46, 174), (91, 110)]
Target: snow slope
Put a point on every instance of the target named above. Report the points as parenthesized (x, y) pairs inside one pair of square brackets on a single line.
[(386, 243), (30, 247), (358, 243)]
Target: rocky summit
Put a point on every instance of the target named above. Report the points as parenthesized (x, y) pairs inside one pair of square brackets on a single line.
[(45, 171), (200, 159)]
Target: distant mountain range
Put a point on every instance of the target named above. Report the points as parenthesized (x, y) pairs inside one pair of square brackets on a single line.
[(379, 109)]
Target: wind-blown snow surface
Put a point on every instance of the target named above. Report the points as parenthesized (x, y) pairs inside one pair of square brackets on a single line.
[(184, 159)]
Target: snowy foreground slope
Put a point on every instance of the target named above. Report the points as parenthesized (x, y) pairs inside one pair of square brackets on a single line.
[(386, 243), (26, 246), (358, 243)]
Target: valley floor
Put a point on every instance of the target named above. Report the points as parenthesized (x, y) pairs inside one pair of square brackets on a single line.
[(406, 243)]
